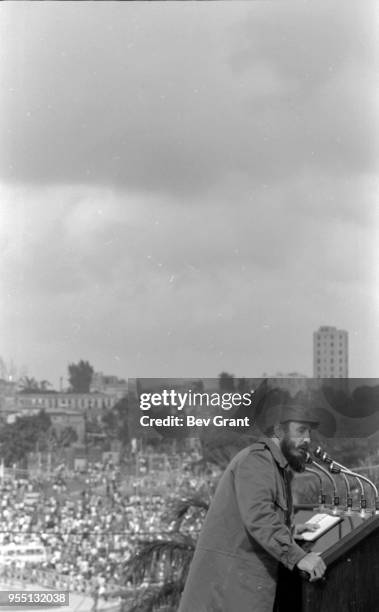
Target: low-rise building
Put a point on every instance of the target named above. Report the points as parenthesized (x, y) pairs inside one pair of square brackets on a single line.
[(64, 409), (293, 382), (108, 385), (52, 401)]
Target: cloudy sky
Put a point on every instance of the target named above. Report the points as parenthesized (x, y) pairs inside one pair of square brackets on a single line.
[(188, 187)]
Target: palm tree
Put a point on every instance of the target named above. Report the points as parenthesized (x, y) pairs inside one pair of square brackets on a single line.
[(31, 385), (28, 385), (44, 385), (163, 563)]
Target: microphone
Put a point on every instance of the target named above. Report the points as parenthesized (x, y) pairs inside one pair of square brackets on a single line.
[(339, 468), (322, 496), (336, 499), (321, 454), (349, 499)]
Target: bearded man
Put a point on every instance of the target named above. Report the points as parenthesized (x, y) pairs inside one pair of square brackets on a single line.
[(247, 534)]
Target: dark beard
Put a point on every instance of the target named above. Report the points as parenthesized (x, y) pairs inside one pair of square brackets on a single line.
[(296, 460)]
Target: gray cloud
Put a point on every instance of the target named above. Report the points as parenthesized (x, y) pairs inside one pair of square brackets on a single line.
[(124, 97), (187, 187)]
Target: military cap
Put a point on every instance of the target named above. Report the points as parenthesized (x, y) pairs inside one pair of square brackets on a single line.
[(298, 413)]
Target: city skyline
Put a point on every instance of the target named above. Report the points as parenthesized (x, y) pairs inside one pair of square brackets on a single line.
[(338, 353), (187, 188)]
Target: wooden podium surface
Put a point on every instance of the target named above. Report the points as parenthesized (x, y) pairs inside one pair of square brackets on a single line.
[(351, 583)]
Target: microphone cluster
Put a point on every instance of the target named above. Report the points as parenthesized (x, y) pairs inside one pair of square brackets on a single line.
[(331, 469)]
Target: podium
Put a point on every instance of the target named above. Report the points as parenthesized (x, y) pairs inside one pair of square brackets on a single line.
[(351, 583)]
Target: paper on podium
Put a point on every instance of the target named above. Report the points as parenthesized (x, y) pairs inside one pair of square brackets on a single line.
[(324, 522)]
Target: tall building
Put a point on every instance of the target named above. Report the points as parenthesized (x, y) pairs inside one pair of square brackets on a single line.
[(330, 353)]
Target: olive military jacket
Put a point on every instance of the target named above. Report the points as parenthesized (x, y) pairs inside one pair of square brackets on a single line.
[(246, 534)]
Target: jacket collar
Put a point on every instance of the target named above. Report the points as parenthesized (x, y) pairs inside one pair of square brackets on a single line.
[(275, 451)]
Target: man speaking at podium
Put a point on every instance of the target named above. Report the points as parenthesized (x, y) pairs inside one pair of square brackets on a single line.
[(248, 531)]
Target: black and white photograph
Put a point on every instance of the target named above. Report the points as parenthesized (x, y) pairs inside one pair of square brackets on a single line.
[(189, 306)]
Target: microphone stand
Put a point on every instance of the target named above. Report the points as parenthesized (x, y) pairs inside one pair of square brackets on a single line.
[(349, 499), (336, 499), (322, 496)]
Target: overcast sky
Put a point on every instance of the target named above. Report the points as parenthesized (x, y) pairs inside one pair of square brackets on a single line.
[(188, 187)]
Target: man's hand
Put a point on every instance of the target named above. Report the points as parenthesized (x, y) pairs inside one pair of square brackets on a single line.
[(313, 565), (303, 527)]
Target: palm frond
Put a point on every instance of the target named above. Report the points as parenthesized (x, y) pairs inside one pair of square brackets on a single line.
[(172, 557), (182, 506), (190, 508), (155, 598)]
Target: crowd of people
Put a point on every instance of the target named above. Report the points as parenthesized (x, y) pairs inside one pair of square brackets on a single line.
[(90, 533), (91, 522)]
